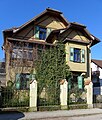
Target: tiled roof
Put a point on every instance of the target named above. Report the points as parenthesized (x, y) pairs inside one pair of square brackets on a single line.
[(97, 62)]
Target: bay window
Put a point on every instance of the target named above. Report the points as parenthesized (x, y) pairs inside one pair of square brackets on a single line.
[(77, 55)]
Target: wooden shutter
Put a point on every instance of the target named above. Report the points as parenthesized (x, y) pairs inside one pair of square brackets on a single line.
[(18, 81), (80, 82), (71, 54), (48, 31), (83, 56), (36, 31)]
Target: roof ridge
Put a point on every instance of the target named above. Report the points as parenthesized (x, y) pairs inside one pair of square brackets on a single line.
[(54, 10)]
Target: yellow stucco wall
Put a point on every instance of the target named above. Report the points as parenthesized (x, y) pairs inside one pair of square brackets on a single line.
[(51, 22), (74, 66)]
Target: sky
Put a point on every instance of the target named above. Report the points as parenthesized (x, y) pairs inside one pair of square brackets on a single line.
[(14, 13)]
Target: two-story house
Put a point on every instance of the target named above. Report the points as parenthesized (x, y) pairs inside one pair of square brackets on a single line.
[(21, 45)]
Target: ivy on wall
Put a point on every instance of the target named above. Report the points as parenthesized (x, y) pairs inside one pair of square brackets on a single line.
[(50, 69)]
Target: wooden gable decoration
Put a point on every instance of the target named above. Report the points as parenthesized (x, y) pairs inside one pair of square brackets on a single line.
[(49, 19)]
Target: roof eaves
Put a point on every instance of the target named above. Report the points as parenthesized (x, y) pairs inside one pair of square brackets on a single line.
[(78, 24), (77, 41), (95, 40), (58, 31), (30, 41), (97, 62)]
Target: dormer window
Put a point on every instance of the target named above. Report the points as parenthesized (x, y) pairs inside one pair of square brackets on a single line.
[(41, 32)]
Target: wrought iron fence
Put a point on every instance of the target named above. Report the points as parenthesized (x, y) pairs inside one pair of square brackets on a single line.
[(14, 98), (76, 97), (97, 101), (49, 97), (97, 98)]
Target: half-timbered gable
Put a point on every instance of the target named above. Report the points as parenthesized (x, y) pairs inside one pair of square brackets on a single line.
[(40, 27)]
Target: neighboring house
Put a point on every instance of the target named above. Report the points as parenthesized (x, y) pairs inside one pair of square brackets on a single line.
[(96, 67), (2, 74), (21, 46)]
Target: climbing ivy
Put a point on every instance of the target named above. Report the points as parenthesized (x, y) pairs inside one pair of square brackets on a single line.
[(50, 69)]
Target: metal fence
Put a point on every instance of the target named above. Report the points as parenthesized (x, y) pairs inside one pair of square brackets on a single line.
[(76, 97), (97, 95), (49, 98), (14, 98)]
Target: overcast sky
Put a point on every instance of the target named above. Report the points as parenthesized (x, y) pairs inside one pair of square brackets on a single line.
[(14, 13)]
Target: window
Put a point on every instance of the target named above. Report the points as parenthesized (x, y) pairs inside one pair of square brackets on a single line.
[(22, 81), (17, 53), (22, 54), (30, 55), (41, 33), (77, 55)]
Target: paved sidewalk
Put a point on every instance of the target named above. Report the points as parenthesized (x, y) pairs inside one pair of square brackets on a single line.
[(49, 114)]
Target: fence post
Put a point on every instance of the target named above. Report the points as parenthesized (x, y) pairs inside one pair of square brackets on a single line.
[(90, 95), (33, 95), (63, 93)]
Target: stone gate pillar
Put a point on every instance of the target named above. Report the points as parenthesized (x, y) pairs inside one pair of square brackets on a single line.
[(33, 95), (89, 88), (63, 93)]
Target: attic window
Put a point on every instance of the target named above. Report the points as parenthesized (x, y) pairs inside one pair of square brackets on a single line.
[(40, 33)]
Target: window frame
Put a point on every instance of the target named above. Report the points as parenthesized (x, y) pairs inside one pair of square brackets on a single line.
[(42, 30), (42, 33), (21, 53), (22, 82), (77, 55)]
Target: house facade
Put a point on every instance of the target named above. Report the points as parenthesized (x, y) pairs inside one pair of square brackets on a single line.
[(23, 44), (96, 67)]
